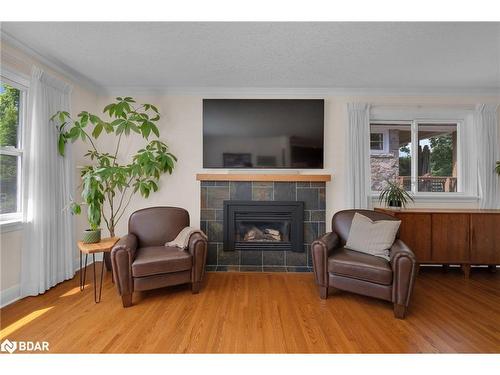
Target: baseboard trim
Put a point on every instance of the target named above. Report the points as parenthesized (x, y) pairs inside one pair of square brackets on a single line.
[(10, 295), (13, 294)]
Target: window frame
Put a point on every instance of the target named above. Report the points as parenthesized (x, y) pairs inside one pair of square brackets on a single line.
[(466, 180), (385, 141), (414, 167), (10, 220)]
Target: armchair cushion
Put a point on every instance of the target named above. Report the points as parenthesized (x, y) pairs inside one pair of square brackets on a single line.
[(154, 260), (372, 237), (356, 265)]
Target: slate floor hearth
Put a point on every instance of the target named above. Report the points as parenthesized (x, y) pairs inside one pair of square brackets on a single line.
[(214, 193)]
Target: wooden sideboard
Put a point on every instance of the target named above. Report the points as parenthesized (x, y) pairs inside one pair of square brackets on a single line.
[(451, 236)]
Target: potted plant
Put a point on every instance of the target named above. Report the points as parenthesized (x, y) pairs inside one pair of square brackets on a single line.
[(108, 182), (394, 195), (93, 234)]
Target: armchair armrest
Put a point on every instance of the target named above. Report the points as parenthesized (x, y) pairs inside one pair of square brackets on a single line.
[(404, 269), (197, 247), (321, 250), (122, 256)]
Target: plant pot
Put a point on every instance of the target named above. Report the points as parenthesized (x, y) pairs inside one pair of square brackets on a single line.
[(91, 236), (396, 206)]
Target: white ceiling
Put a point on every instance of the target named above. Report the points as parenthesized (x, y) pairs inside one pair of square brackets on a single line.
[(271, 55)]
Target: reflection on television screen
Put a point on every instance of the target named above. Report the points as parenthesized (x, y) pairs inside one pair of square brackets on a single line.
[(263, 133)]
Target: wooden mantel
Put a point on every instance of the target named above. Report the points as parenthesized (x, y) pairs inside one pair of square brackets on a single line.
[(263, 177)]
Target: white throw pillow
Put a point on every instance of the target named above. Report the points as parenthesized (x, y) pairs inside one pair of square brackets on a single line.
[(372, 237)]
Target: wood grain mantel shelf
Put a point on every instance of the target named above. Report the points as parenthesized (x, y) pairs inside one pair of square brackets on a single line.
[(263, 177)]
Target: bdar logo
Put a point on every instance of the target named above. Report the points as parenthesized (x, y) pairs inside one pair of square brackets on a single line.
[(24, 346), (8, 346)]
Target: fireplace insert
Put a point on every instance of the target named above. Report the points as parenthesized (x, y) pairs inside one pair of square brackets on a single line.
[(263, 225)]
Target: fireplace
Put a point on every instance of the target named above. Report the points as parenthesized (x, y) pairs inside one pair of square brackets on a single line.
[(263, 225)]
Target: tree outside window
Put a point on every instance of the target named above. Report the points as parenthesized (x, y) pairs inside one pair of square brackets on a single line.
[(10, 152)]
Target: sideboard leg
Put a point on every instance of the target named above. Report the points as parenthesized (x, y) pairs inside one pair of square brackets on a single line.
[(466, 269), (400, 311), (323, 292)]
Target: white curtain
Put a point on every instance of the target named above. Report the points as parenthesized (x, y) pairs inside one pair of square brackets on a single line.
[(49, 243), (358, 156), (486, 131)]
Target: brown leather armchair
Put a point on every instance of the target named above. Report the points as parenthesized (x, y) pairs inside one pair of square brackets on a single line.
[(140, 260), (338, 268)]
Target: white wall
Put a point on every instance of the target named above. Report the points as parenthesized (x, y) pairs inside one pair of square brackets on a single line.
[(181, 128), (11, 242)]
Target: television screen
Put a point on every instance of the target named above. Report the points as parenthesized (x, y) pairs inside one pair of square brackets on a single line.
[(263, 133)]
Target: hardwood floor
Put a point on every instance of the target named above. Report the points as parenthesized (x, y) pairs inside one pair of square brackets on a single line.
[(263, 313)]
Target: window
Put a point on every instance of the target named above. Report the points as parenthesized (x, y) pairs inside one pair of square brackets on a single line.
[(377, 141), (420, 155), (437, 158), (12, 116)]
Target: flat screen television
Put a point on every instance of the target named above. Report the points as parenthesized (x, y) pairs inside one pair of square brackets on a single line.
[(263, 133)]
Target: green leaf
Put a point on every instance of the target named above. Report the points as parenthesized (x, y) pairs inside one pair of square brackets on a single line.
[(117, 122), (108, 127), (94, 119), (146, 131), (61, 144), (84, 118), (75, 208), (155, 130), (97, 130), (108, 108), (61, 116), (74, 133), (135, 128)]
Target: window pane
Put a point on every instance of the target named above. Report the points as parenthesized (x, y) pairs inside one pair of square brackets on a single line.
[(437, 158), (377, 141), (396, 163), (9, 115), (8, 183)]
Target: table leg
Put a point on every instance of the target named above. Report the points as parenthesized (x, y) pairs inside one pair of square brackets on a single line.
[(80, 270), (82, 282), (95, 285), (97, 297), (100, 285)]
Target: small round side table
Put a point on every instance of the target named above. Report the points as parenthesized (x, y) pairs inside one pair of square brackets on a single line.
[(104, 246)]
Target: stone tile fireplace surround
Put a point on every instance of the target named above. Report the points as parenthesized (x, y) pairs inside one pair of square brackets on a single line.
[(213, 195)]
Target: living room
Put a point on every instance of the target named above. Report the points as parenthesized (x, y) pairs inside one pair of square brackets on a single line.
[(250, 187)]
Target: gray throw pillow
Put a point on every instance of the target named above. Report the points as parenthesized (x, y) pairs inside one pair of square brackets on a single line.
[(372, 237)]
